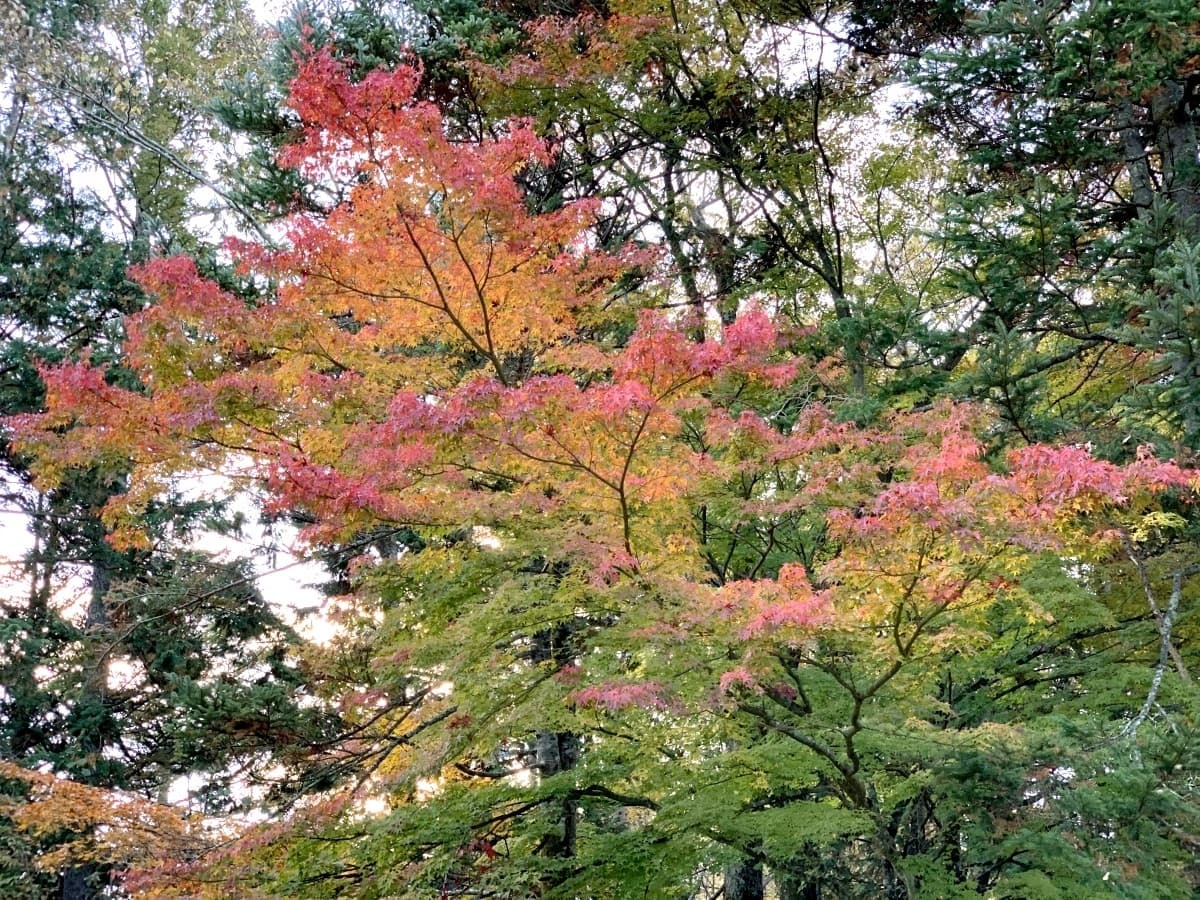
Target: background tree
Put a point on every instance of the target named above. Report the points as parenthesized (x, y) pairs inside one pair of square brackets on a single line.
[(1072, 223), (170, 663)]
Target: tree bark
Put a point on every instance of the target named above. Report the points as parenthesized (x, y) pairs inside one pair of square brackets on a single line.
[(1175, 118), (796, 887), (555, 752), (744, 881), (83, 882), (79, 883)]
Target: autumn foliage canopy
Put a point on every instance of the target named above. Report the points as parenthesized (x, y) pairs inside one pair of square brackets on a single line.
[(635, 598)]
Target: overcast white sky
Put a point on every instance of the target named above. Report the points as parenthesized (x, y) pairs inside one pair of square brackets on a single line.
[(270, 11)]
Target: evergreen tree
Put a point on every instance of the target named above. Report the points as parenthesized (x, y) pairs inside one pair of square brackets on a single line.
[(1077, 208), (172, 664)]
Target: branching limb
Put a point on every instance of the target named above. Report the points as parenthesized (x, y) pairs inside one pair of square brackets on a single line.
[(1165, 623)]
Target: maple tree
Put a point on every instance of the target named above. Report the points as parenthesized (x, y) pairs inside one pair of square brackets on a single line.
[(665, 606), (105, 826)]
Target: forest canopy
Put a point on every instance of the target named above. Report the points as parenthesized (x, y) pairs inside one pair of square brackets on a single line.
[(748, 449)]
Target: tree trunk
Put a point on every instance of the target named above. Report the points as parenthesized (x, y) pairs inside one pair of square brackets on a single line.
[(84, 882), (555, 752), (1137, 160), (791, 886), (744, 881), (79, 883), (1172, 109)]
